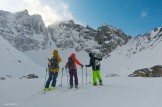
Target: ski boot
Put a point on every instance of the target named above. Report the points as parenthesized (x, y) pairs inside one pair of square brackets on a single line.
[(52, 88), (45, 89), (71, 87), (100, 82), (95, 84), (76, 86)]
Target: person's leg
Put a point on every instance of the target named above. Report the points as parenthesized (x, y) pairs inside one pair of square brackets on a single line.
[(99, 77), (71, 78), (54, 79), (94, 78), (76, 78), (49, 80)]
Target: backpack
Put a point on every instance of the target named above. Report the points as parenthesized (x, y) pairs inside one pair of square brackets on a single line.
[(70, 63), (95, 64), (54, 63)]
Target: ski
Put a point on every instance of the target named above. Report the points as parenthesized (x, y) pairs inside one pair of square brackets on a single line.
[(73, 88), (42, 92), (46, 91), (97, 84)]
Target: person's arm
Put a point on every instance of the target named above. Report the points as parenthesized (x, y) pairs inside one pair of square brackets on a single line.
[(78, 62), (59, 59), (89, 64), (66, 65)]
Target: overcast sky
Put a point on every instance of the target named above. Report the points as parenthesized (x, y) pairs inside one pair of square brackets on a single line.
[(132, 16)]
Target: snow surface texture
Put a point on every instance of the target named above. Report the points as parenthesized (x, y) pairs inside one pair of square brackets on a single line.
[(116, 92)]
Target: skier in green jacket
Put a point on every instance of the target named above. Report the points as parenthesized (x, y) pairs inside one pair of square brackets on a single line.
[(94, 62)]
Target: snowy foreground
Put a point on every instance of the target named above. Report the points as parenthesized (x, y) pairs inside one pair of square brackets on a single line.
[(116, 92)]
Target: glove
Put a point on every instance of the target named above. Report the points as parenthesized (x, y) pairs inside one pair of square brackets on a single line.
[(49, 59)]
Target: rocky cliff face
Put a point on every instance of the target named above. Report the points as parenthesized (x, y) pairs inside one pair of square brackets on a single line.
[(28, 32), (103, 40), (70, 35), (23, 31), (110, 37)]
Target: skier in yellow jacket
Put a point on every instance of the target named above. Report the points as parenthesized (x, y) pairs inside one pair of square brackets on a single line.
[(53, 68)]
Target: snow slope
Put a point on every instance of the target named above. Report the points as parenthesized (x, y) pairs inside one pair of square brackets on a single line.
[(116, 92), (15, 63), (126, 59)]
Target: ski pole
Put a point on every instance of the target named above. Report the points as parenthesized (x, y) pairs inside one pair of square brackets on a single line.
[(62, 76), (67, 77), (82, 75), (45, 78), (86, 75)]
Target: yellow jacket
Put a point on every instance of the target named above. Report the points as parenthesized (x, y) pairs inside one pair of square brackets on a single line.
[(55, 53)]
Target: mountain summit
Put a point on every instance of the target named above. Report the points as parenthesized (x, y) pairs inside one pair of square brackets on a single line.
[(23, 31)]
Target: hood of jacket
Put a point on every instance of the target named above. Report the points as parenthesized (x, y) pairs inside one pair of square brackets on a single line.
[(73, 55), (55, 53), (91, 55)]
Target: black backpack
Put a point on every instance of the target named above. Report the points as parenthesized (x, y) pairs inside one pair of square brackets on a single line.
[(54, 62), (97, 64), (70, 63)]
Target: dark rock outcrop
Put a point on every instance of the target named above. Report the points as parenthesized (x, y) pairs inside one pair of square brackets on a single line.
[(2, 78), (155, 71)]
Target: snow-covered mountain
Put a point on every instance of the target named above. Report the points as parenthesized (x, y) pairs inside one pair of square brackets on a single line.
[(140, 52), (15, 63), (143, 42), (103, 40), (28, 32), (23, 31), (70, 35)]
